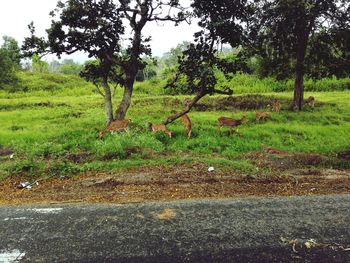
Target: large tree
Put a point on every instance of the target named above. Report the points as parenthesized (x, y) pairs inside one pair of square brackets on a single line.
[(287, 28), (101, 28)]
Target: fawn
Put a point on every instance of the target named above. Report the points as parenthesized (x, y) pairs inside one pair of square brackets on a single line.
[(261, 116), (115, 126), (225, 121), (276, 106), (186, 121), (310, 101), (159, 127)]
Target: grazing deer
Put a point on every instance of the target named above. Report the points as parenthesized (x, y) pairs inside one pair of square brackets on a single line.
[(159, 127), (115, 126), (276, 106), (186, 102), (186, 121), (225, 121), (261, 116), (310, 101)]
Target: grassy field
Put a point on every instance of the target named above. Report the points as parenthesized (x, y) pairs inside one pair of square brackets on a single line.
[(53, 132)]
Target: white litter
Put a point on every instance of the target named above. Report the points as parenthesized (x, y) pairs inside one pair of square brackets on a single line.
[(211, 169)]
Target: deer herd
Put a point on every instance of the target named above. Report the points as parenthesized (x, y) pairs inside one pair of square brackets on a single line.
[(122, 125)]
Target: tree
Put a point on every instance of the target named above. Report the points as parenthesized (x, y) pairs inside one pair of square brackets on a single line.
[(9, 63), (222, 22), (329, 54), (38, 65), (149, 71), (69, 67), (8, 78), (171, 58), (10, 45), (99, 27), (287, 28), (54, 66)]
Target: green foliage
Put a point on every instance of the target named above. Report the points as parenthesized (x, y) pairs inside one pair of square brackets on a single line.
[(9, 64), (10, 45), (39, 65), (171, 58), (69, 67), (314, 34), (8, 79)]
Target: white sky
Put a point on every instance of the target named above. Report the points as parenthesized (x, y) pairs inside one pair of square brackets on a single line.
[(15, 15)]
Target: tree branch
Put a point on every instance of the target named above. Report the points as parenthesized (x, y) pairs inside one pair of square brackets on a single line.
[(188, 108), (99, 91)]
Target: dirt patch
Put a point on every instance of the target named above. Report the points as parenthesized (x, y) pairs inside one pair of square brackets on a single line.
[(167, 214), (81, 157), (345, 155), (167, 102), (249, 102), (4, 152), (177, 183), (283, 160)]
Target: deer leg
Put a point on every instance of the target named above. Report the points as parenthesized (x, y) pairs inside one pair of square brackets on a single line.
[(189, 134)]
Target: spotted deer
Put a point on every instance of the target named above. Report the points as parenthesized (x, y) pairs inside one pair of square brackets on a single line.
[(276, 106), (115, 126), (186, 121), (310, 101), (230, 122), (261, 116), (159, 127)]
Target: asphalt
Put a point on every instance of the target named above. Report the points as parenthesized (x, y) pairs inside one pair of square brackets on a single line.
[(296, 229)]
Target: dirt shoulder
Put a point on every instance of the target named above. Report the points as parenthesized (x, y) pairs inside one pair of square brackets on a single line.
[(176, 183)]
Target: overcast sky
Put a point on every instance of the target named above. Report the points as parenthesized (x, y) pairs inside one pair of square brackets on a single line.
[(15, 15)]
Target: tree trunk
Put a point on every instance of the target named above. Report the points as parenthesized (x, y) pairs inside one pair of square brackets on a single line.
[(174, 117), (126, 101), (131, 72), (298, 100), (108, 102), (298, 89)]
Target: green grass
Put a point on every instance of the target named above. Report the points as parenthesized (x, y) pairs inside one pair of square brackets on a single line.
[(47, 129)]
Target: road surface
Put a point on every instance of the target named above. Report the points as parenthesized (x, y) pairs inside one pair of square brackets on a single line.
[(296, 229)]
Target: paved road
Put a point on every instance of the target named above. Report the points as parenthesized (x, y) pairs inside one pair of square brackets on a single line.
[(239, 230)]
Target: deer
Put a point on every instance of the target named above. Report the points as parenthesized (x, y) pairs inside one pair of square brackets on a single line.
[(186, 102), (310, 101), (186, 121), (261, 116), (225, 121), (276, 106), (114, 126), (159, 127)]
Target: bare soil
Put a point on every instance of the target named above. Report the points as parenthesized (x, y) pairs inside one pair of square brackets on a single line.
[(173, 183)]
